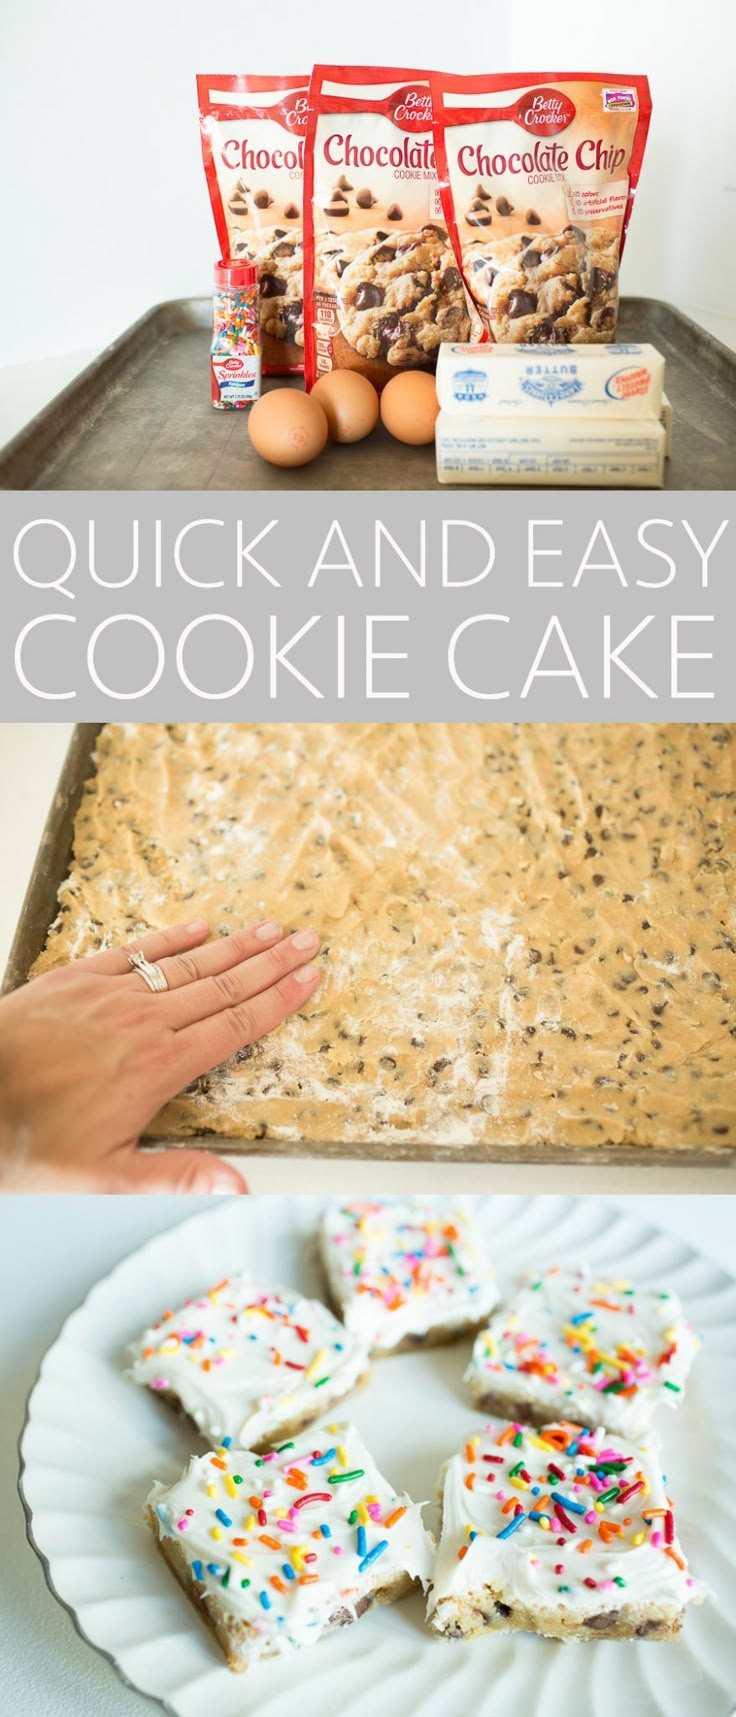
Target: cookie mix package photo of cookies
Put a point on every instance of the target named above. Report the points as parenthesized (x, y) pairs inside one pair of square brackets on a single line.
[(538, 176)]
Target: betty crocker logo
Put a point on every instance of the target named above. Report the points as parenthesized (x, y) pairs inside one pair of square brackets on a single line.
[(544, 112), (411, 108), (294, 114)]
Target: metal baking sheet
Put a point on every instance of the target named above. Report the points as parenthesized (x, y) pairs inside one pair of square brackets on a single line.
[(50, 870), (140, 417)]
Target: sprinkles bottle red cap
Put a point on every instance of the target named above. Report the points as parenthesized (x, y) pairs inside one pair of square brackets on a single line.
[(235, 274)]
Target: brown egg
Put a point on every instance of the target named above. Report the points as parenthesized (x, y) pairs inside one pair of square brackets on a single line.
[(349, 402), (409, 407), (287, 427)]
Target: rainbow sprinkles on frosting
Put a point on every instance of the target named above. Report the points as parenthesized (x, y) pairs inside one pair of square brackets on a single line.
[(406, 1271), (569, 1344), (562, 1532), (278, 1549), (249, 1361)]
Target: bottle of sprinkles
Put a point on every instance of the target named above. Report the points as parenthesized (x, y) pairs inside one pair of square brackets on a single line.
[(235, 353)]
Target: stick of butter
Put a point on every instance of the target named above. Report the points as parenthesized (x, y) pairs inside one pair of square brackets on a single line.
[(595, 453), (617, 381)]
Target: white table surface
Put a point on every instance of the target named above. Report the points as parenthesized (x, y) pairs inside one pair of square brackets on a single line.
[(53, 1251), (26, 388)]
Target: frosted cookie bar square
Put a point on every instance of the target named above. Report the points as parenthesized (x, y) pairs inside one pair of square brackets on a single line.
[(249, 1361), (277, 1550), (561, 1532), (569, 1343), (405, 1273)]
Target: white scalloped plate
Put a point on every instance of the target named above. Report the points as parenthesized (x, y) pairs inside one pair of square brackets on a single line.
[(93, 1442)]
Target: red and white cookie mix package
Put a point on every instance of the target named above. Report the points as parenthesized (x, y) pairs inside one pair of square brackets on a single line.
[(382, 284), (538, 175), (253, 131)]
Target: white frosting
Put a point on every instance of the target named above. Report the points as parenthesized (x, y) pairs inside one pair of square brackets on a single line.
[(541, 1564), (567, 1337), (248, 1358), (324, 1508), (405, 1267)]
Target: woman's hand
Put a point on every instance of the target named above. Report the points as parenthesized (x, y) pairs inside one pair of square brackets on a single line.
[(88, 1054)]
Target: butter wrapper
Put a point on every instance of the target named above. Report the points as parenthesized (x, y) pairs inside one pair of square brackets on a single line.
[(612, 381), (667, 420), (595, 453)]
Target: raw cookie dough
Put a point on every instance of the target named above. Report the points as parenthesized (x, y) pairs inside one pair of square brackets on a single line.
[(547, 289), (528, 930), (401, 296)]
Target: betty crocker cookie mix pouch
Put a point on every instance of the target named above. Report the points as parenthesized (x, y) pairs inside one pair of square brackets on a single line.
[(253, 131), (381, 282), (538, 175)]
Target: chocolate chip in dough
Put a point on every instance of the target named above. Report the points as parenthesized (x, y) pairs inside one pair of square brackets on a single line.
[(365, 199), (532, 218), (283, 249), (503, 206), (481, 217), (532, 258), (291, 212), (522, 304), (368, 296), (383, 253), (450, 280), (606, 1619), (394, 213), (380, 234), (262, 199)]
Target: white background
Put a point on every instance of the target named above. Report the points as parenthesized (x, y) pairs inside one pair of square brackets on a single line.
[(106, 211), (46, 1670)]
